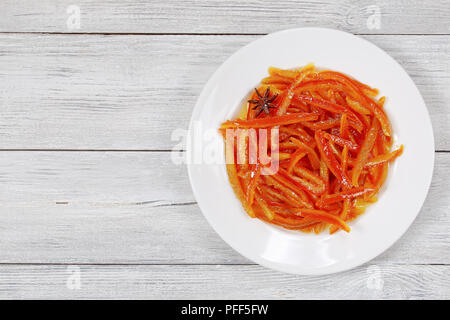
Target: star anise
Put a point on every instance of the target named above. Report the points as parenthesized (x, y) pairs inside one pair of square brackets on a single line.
[(264, 102)]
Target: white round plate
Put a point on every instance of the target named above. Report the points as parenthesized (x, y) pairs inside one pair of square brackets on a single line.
[(400, 199)]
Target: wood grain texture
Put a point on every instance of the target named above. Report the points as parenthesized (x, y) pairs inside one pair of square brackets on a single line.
[(379, 281), (131, 92), (137, 207), (235, 16), (91, 179)]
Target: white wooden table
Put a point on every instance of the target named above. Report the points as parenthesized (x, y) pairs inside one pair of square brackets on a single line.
[(91, 205)]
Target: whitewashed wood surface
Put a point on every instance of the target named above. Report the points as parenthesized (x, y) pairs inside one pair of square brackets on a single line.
[(87, 185)]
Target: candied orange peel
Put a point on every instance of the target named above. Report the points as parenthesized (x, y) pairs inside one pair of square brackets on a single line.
[(330, 138)]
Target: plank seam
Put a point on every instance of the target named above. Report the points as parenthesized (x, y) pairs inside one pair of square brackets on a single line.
[(119, 150), (185, 264), (151, 203)]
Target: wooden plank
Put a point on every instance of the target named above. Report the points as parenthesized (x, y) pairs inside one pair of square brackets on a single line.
[(380, 281), (133, 207), (132, 92), (206, 16)]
